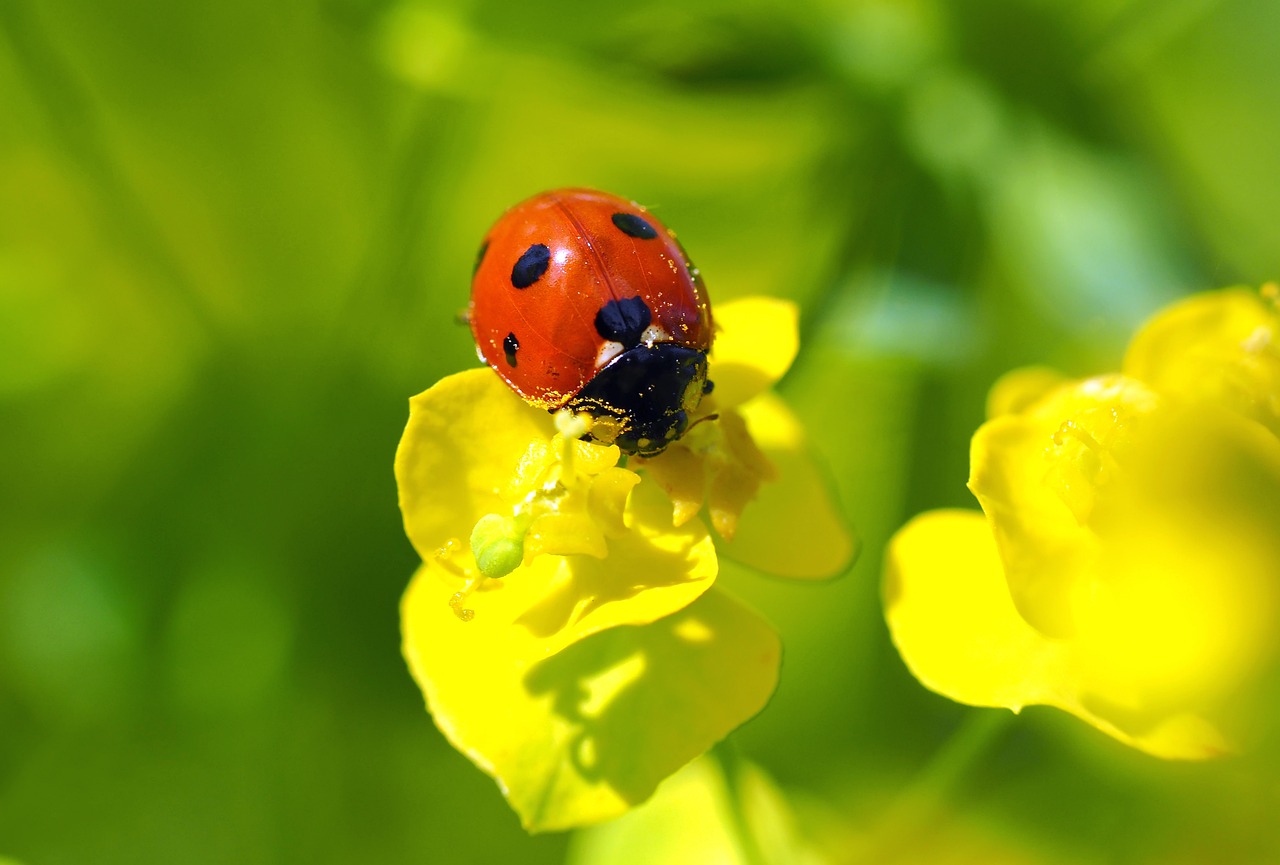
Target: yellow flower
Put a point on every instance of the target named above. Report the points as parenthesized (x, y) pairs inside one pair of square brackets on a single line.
[(1218, 348), (563, 626), (1127, 568)]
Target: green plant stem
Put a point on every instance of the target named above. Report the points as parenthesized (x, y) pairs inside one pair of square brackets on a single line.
[(725, 756), (921, 801)]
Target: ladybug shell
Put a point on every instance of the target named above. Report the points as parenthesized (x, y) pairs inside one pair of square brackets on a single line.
[(557, 269)]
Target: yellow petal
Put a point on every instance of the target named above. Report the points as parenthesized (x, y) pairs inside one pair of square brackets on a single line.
[(682, 476), (585, 735), (589, 458), (649, 572), (953, 621), (1220, 347), (607, 499), (572, 534), (740, 443), (727, 494), (955, 625), (1037, 476), (465, 437), (1042, 544), (1178, 616), (793, 526), (756, 340), (1016, 391), (736, 467)]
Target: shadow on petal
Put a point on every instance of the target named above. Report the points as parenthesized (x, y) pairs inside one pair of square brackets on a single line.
[(640, 702), (635, 565), (650, 572)]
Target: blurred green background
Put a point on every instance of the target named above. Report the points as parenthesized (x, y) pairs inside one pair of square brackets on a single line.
[(234, 240)]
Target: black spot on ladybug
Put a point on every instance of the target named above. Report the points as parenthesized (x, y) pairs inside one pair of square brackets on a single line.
[(510, 345), (634, 226), (531, 266), (708, 386), (484, 247), (624, 320)]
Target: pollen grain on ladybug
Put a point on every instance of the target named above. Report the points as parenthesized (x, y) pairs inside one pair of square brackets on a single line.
[(633, 360)]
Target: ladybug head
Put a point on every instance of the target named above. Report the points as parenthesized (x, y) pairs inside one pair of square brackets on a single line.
[(642, 400)]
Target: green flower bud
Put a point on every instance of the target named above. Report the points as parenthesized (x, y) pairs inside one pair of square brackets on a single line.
[(497, 543)]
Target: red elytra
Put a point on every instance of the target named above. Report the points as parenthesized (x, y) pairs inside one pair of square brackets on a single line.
[(585, 300)]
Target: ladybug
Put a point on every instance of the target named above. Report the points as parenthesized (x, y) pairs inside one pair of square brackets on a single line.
[(583, 300)]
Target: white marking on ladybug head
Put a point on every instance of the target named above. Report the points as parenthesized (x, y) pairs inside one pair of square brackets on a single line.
[(608, 352), (654, 334)]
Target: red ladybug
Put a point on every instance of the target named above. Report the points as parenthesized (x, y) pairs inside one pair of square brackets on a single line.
[(584, 300)]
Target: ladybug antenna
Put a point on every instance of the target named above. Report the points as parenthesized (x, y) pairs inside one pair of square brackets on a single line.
[(463, 316), (703, 419)]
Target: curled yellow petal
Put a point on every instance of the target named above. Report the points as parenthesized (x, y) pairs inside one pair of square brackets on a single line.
[(681, 474), (590, 458), (727, 494), (607, 499), (739, 467), (742, 448)]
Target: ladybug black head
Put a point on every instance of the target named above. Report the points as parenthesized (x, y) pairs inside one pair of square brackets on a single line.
[(644, 396)]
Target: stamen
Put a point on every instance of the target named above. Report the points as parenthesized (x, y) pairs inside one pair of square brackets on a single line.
[(1070, 429), (571, 428), (460, 598)]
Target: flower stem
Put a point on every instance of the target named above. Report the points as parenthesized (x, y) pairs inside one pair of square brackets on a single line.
[(728, 760), (919, 804)]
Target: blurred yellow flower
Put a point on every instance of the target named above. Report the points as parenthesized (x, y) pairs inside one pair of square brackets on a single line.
[(1220, 348), (563, 626), (1127, 569)]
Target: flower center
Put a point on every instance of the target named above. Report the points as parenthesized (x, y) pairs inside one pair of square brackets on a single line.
[(566, 496), (1088, 449)]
